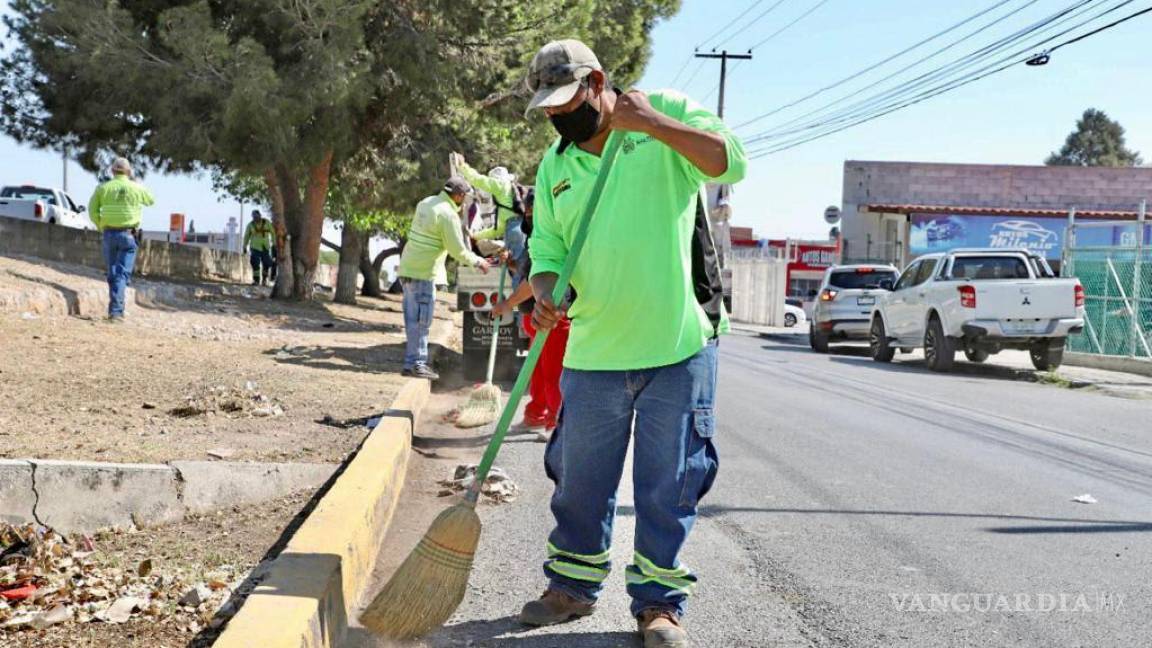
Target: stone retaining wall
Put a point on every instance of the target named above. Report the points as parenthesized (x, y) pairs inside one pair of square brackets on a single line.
[(85, 247)]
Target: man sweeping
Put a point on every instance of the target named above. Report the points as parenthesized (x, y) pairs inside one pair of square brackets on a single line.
[(434, 234), (641, 356)]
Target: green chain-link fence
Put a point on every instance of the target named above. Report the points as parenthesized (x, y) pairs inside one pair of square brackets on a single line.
[(1117, 284)]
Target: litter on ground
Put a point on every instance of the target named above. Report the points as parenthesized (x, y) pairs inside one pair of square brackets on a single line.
[(498, 487), (47, 579)]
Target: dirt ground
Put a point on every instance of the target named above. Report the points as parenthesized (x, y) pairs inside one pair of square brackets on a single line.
[(206, 371), (237, 377)]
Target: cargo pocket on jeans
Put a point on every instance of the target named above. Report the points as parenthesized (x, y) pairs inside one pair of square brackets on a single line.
[(425, 303), (700, 461)]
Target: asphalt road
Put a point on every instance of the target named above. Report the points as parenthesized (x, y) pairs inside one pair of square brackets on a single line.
[(859, 505)]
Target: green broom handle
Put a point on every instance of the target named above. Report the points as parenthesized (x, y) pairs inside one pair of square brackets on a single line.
[(558, 294)]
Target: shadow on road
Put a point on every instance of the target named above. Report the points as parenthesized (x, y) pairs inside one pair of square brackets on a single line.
[(500, 633), (961, 368), (1073, 525), (493, 634)]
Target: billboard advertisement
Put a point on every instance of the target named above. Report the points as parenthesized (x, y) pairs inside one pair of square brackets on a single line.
[(942, 232)]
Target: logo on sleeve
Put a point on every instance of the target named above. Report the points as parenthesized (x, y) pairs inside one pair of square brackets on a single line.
[(561, 187)]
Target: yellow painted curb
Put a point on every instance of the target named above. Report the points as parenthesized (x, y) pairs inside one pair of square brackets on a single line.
[(303, 600)]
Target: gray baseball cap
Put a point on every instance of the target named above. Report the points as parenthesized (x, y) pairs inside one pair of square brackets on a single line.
[(456, 185), (556, 71)]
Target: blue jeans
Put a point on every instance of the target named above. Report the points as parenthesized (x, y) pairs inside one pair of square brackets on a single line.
[(419, 304), (119, 257), (674, 465)]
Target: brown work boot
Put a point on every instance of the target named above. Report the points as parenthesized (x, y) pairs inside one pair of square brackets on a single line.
[(554, 607), (661, 629)]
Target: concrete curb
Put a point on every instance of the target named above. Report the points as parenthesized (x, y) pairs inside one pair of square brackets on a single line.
[(1138, 366), (303, 598), (83, 496)]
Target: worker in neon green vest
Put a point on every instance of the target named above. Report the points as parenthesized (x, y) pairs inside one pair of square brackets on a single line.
[(259, 238)]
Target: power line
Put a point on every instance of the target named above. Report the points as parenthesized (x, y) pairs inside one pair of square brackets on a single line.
[(887, 60), (789, 25), (863, 116), (704, 43), (684, 66), (680, 71), (972, 78), (1097, 31), (699, 66), (773, 35), (951, 68), (755, 20)]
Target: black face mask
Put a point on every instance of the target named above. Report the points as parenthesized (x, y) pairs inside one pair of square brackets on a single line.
[(577, 126)]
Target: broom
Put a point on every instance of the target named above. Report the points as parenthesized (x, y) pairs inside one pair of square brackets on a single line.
[(483, 405), (430, 583)]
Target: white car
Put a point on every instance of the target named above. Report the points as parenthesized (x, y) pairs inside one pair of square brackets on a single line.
[(845, 301), (979, 301), (793, 315)]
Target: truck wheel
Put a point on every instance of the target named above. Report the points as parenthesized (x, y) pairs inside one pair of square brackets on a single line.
[(1047, 356), (818, 341), (939, 349), (789, 320), (882, 351), (975, 355)]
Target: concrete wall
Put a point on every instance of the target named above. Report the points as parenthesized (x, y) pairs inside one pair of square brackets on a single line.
[(758, 291), (975, 185), (85, 248)]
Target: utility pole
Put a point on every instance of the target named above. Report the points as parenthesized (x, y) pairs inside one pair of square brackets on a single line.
[(724, 56), (64, 159)]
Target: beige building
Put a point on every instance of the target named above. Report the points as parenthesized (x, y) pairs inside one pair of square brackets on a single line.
[(894, 211)]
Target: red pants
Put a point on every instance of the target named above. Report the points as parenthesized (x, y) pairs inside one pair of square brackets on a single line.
[(544, 387)]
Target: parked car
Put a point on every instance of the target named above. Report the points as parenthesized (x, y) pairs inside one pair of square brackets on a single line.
[(844, 303), (51, 206), (793, 314), (979, 301)]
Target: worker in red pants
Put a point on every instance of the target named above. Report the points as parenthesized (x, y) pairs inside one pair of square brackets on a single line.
[(544, 388)]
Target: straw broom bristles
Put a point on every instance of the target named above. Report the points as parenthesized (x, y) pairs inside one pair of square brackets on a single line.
[(429, 585), (482, 408)]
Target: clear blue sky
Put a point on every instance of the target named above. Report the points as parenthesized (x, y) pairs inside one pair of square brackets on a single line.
[(1015, 117)]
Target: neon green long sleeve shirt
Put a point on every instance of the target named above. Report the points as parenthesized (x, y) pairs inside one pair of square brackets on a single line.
[(501, 191), (259, 238), (636, 307), (435, 233), (119, 203)]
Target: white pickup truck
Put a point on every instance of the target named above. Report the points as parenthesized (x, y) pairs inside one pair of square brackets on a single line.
[(979, 301), (51, 206)]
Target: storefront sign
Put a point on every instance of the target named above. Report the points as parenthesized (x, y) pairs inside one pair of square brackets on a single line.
[(942, 232)]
